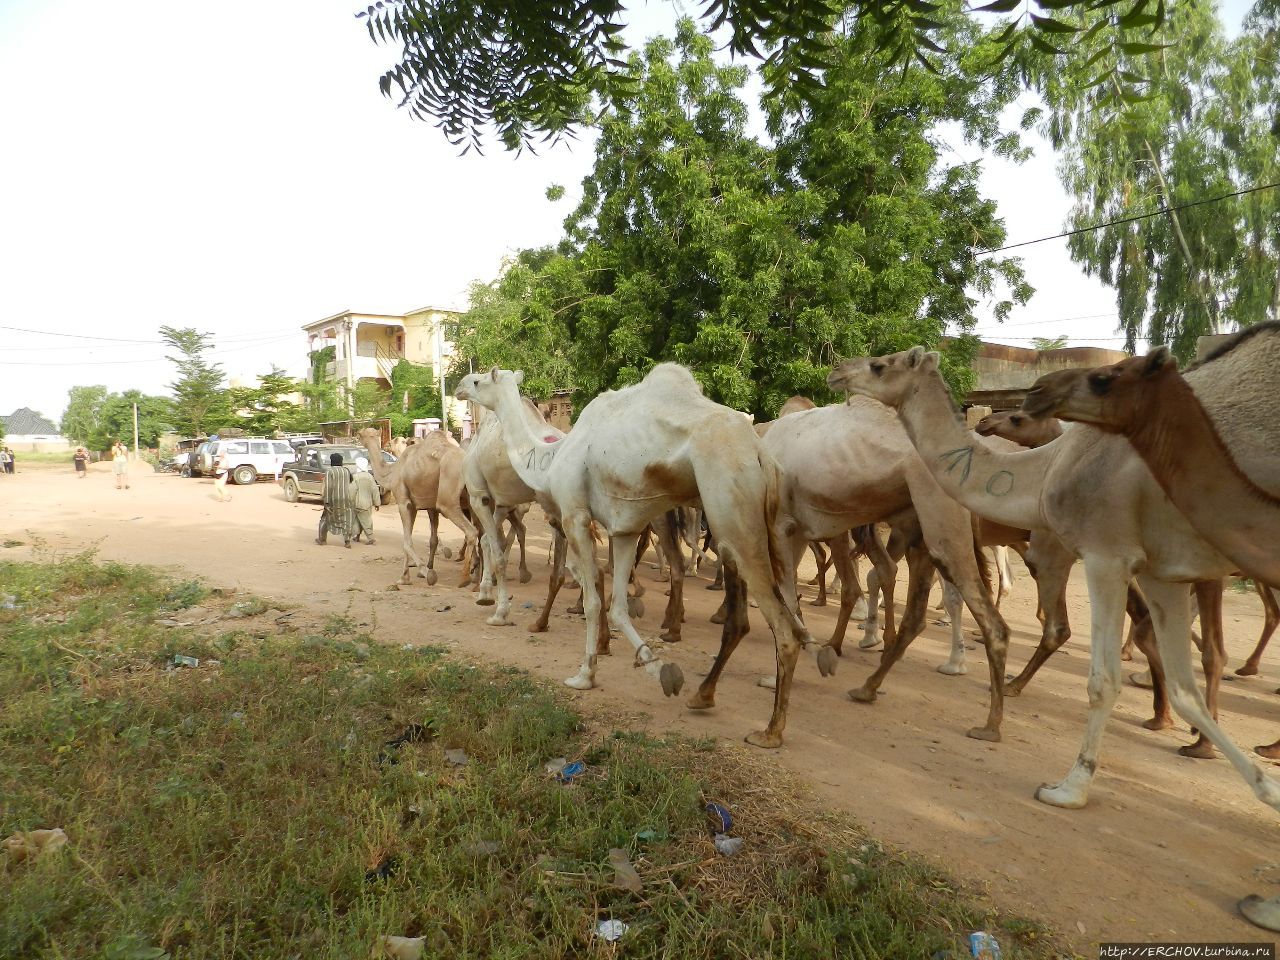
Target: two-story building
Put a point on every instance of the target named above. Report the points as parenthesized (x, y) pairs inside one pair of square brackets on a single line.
[(367, 346)]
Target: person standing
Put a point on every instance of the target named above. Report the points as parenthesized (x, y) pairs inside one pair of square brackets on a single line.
[(365, 500), (120, 464), (81, 458), (336, 515), (12, 463), (220, 473), (4, 460)]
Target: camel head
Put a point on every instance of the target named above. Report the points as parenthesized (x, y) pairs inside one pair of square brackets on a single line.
[(483, 388), (1020, 427), (889, 379), (1108, 397), (371, 437)]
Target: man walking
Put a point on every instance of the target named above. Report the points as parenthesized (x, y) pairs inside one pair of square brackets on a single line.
[(120, 464), (365, 500), (336, 515)]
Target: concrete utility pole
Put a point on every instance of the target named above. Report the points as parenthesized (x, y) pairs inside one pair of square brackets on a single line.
[(444, 400), (135, 432)]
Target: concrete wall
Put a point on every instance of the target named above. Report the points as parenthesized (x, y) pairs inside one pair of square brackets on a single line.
[(20, 443), (1001, 367)]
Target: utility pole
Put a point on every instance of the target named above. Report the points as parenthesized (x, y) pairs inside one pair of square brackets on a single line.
[(135, 432), (444, 402)]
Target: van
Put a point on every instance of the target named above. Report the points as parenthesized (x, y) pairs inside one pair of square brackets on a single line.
[(247, 458)]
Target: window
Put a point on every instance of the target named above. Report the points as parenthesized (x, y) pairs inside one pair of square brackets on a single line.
[(234, 447), (259, 446), (281, 447)]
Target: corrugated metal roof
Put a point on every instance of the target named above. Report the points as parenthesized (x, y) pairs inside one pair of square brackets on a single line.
[(26, 422)]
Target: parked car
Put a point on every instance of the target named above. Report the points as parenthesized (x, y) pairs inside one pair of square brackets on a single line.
[(197, 459), (247, 457), (305, 476)]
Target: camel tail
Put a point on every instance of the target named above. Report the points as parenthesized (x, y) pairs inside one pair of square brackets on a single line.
[(772, 484), (862, 537)]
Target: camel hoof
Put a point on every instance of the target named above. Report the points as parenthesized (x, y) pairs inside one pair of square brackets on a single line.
[(983, 733), (769, 683), (860, 611), (953, 669), (1011, 689), (446, 553), (714, 586), (1270, 751), (1261, 913), (763, 738), (430, 577), (1058, 797), (719, 617), (525, 576), (497, 621), (1142, 679), (1126, 655), (701, 701), (1200, 750), (635, 607), (672, 679), (485, 601), (1247, 670), (1155, 723), (579, 682), (668, 636), (869, 643), (827, 661), (862, 695), (820, 602), (576, 610)]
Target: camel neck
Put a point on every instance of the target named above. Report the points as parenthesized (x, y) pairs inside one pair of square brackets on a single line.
[(1173, 433), (380, 468), (531, 454), (1004, 487)]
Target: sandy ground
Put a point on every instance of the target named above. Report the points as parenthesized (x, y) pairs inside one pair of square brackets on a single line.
[(1162, 852)]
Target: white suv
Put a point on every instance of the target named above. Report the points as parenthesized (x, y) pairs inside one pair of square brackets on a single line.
[(248, 457)]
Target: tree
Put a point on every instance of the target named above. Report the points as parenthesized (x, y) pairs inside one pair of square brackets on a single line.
[(199, 400), (531, 69), (82, 420), (415, 395), (1049, 343), (95, 418), (756, 266), (1204, 129)]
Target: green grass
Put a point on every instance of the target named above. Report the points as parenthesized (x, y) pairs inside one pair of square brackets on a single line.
[(234, 809)]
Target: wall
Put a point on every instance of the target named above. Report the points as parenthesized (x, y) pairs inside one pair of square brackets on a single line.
[(20, 443), (1001, 367)]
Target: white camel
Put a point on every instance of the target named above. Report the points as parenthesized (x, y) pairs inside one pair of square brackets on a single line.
[(634, 454)]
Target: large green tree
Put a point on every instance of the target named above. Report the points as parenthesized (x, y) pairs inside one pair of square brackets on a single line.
[(200, 400), (95, 417), (530, 70), (1205, 127), (755, 265)]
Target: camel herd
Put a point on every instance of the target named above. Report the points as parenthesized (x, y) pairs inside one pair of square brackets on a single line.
[(1162, 483)]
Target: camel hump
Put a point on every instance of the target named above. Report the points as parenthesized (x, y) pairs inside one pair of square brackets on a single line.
[(672, 376)]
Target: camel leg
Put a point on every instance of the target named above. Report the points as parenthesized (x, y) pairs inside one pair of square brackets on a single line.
[(433, 543), (554, 582), (881, 581), (718, 582), (1172, 619), (953, 603), (920, 572), (517, 523), (859, 598), (1004, 571), (1050, 563), (582, 563), (823, 560), (1108, 581), (453, 513), (1271, 613), (498, 550), (409, 517), (1213, 656), (1144, 638), (669, 541), (842, 560), (735, 628), (490, 547), (668, 675)]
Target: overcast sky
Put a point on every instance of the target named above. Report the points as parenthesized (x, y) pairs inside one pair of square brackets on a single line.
[(233, 167)]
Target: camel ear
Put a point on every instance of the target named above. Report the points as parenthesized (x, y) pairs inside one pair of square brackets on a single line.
[(931, 360), (493, 374), (914, 356), (519, 377), (1157, 360)]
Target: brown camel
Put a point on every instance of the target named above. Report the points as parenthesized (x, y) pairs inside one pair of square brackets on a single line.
[(1210, 441), (1022, 428), (428, 477), (633, 455)]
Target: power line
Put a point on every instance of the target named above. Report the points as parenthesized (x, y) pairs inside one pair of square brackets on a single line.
[(1041, 323), (1141, 216), (243, 338), (102, 363)]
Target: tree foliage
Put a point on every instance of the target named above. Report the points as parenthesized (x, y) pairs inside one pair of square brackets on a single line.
[(759, 265), (199, 398), (1206, 126), (532, 70), (95, 418)]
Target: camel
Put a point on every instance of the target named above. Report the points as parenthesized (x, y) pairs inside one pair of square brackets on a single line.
[(1270, 597), (495, 491), (1210, 442), (428, 477), (1020, 427), (1099, 498), (852, 464), (398, 445), (634, 454)]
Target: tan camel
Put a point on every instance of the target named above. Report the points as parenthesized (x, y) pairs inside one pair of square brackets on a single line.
[(633, 455), (495, 491), (428, 477), (851, 464), (1210, 440), (1097, 495), (1020, 427), (398, 445)]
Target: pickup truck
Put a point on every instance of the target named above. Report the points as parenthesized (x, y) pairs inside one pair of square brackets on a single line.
[(305, 476)]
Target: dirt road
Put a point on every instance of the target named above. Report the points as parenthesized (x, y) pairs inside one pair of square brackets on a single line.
[(1162, 852)]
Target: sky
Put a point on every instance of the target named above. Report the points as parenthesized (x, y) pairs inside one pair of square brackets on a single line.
[(233, 167)]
